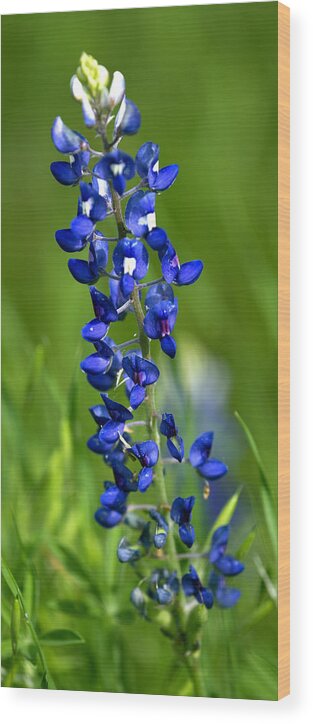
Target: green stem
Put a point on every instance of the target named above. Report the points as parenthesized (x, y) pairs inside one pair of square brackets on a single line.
[(193, 666)]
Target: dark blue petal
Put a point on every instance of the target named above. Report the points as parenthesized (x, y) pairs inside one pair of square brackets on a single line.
[(213, 469), (99, 414), (168, 345), (157, 239), (111, 431), (137, 396), (81, 226), (127, 285), (98, 256), (201, 449), (189, 272), (187, 534), (96, 446), (176, 451), (107, 517), (204, 596), (145, 478), (81, 272), (94, 364), (68, 241), (229, 566), (147, 453), (113, 497), (103, 307), (64, 173), (117, 412), (150, 325), (94, 331)]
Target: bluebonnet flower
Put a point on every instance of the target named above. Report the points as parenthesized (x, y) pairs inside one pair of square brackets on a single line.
[(66, 140), (142, 372), (118, 415), (181, 511), (226, 564), (128, 553), (69, 173), (148, 454), (159, 323), (131, 262), (147, 166), (200, 459), (140, 213), (174, 272), (105, 380), (100, 361), (160, 536), (128, 119), (226, 596), (113, 502), (175, 443), (163, 586), (192, 586), (117, 167)]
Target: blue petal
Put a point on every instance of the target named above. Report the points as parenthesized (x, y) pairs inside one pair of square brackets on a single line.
[(145, 478), (201, 448), (212, 469), (168, 345), (227, 597), (108, 518), (131, 120), (111, 431), (99, 414), (147, 156), (137, 396), (163, 595), (187, 534), (164, 178), (81, 272), (176, 452), (103, 307), (147, 452), (64, 139), (68, 241), (229, 566), (94, 331), (96, 446), (127, 285), (102, 382), (64, 173), (98, 256), (89, 115), (157, 238), (113, 497), (94, 364), (204, 596), (189, 272), (117, 412), (81, 226)]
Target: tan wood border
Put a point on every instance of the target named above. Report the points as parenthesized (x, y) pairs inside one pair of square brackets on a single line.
[(283, 349)]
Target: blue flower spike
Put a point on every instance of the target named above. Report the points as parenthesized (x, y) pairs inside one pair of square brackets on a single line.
[(113, 262), (181, 512)]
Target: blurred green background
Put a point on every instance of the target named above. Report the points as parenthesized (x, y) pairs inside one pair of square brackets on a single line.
[(205, 79)]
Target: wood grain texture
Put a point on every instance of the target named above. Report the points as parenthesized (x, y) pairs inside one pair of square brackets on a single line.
[(283, 350)]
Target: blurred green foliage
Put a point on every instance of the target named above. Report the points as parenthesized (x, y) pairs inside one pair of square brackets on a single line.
[(205, 79)]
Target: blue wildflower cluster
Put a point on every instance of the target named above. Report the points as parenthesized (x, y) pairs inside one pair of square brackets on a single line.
[(160, 531)]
